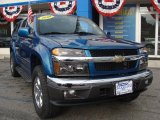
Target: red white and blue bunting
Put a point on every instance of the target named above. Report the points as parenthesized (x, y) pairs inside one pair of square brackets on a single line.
[(156, 4), (11, 13), (63, 7), (151, 9), (108, 7)]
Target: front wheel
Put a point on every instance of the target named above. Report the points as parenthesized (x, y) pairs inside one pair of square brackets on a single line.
[(41, 99)]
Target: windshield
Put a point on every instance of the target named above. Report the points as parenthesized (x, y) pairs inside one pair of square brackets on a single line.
[(67, 25)]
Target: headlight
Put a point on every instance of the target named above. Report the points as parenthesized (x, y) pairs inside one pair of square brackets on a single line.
[(143, 50), (68, 52), (143, 63), (70, 68)]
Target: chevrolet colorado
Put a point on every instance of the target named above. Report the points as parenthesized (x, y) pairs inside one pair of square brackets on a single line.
[(70, 61)]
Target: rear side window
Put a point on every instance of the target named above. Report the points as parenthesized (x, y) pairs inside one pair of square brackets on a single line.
[(24, 24), (16, 28)]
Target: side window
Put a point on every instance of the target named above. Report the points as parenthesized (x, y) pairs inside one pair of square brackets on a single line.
[(24, 23), (30, 27), (16, 28)]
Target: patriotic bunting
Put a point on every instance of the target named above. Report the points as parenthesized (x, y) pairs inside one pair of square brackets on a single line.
[(151, 9), (63, 7), (156, 4), (108, 7), (11, 13)]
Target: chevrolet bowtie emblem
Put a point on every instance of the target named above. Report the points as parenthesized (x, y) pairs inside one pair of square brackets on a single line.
[(118, 59)]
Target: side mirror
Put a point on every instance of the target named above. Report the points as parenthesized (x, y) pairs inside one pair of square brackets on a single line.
[(23, 32)]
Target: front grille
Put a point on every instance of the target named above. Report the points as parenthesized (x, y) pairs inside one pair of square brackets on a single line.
[(112, 66), (105, 53)]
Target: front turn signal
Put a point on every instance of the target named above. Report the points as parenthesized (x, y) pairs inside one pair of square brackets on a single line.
[(56, 68)]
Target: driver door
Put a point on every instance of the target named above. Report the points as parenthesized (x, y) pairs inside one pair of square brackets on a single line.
[(25, 51)]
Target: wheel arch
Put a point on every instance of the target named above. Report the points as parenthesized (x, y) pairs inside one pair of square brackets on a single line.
[(42, 57), (35, 60)]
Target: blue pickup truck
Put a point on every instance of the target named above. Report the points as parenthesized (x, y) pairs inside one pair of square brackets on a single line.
[(70, 61)]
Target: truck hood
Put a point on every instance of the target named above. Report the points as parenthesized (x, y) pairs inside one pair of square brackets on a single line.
[(88, 42)]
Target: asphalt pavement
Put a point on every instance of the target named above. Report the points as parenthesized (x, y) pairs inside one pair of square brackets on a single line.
[(16, 102)]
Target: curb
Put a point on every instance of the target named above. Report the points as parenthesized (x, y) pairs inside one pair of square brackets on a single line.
[(1, 57), (4, 57), (154, 63)]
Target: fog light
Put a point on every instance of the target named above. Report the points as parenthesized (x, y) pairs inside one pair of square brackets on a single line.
[(69, 94)]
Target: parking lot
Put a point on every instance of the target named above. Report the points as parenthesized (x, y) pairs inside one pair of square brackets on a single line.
[(16, 102)]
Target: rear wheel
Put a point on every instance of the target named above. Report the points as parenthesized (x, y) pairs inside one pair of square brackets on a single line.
[(129, 98), (41, 99), (13, 66)]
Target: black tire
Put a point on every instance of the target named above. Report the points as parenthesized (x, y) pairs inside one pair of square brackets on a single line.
[(129, 98), (47, 110), (13, 66)]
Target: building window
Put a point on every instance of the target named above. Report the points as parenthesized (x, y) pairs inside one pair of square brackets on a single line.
[(148, 24), (150, 29), (123, 25), (5, 33)]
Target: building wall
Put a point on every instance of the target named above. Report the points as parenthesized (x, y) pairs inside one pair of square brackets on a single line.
[(85, 8)]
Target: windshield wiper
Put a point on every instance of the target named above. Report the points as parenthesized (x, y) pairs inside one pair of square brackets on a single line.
[(84, 33), (51, 33)]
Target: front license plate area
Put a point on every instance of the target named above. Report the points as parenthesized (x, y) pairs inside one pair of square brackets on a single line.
[(124, 87)]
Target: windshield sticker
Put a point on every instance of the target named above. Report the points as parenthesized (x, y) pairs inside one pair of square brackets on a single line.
[(47, 17)]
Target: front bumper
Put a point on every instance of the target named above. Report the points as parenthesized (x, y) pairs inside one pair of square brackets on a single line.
[(93, 89)]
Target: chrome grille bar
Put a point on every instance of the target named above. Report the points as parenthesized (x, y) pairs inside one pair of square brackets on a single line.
[(116, 59)]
